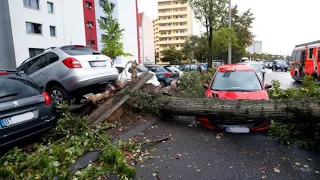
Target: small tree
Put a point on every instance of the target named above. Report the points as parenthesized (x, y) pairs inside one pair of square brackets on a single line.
[(157, 57), (171, 55), (112, 40)]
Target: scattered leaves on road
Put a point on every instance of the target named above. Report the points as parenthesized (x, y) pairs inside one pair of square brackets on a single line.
[(297, 164), (284, 158), (317, 172), (264, 176), (276, 169)]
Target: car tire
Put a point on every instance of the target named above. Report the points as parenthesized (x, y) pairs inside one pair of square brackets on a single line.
[(59, 95)]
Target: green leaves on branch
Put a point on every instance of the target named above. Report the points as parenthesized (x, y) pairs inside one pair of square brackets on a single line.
[(60, 148), (306, 134), (112, 33)]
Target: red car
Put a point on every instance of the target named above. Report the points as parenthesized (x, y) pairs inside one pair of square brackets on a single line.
[(236, 81)]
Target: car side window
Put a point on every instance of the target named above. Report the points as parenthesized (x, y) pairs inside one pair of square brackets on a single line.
[(186, 68), (194, 67), (43, 61), (51, 58), (34, 66)]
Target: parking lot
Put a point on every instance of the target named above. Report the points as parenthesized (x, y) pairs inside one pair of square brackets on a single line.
[(283, 77)]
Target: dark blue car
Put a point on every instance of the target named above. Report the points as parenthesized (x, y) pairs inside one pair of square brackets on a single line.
[(164, 77), (279, 65)]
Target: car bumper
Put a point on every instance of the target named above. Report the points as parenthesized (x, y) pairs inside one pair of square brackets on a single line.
[(8, 140), (221, 125), (83, 78), (297, 78)]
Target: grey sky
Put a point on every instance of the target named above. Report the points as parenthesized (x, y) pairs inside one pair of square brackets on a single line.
[(279, 24)]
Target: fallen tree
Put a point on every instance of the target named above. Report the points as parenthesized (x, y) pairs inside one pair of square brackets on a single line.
[(238, 110)]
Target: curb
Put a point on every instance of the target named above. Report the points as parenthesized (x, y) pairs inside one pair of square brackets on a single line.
[(93, 156)]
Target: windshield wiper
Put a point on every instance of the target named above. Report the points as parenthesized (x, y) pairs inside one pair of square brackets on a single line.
[(9, 95)]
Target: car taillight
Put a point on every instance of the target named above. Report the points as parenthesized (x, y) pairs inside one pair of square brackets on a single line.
[(3, 73), (168, 74), (47, 98), (72, 63)]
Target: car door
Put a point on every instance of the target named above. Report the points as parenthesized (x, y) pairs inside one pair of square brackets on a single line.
[(34, 70), (49, 67)]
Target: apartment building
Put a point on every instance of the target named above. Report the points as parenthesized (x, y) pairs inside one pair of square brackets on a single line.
[(126, 12), (173, 26), (146, 39), (30, 26)]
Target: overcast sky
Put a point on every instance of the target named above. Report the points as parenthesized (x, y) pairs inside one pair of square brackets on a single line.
[(279, 24)]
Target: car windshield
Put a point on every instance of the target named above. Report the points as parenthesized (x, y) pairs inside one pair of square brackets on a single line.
[(236, 81), (13, 88), (281, 62), (142, 68), (78, 51)]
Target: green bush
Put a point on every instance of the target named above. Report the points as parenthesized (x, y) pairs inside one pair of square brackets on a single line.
[(192, 83), (305, 135)]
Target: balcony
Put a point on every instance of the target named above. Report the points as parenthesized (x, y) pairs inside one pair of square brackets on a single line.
[(174, 35), (172, 6), (179, 13)]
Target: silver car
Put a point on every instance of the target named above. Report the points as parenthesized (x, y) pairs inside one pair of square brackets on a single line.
[(258, 67), (69, 72)]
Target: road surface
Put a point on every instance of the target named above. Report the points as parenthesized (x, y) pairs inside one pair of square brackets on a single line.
[(283, 77)]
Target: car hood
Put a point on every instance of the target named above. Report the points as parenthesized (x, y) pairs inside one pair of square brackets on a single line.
[(256, 95)]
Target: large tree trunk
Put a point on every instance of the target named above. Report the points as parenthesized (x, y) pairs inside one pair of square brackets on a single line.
[(241, 110)]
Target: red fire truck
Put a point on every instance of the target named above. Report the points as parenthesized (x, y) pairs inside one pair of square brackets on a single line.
[(305, 61)]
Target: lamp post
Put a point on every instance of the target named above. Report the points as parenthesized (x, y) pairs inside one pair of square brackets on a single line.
[(230, 49), (89, 25)]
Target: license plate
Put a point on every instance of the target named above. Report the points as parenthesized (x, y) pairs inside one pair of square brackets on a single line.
[(16, 119), (98, 64), (237, 129)]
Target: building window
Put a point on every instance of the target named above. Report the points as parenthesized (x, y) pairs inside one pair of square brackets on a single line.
[(92, 43), (102, 2), (88, 4), (31, 3), (34, 51), (50, 7), (52, 31), (103, 20), (34, 28), (89, 24)]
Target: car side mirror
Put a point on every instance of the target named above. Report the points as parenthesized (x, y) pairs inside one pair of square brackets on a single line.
[(206, 86), (153, 69), (267, 86), (263, 70)]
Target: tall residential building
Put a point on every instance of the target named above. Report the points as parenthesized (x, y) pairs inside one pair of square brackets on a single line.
[(255, 48), (173, 26), (146, 39), (30, 26)]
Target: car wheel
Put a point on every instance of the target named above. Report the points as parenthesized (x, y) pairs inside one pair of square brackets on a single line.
[(286, 70), (59, 95)]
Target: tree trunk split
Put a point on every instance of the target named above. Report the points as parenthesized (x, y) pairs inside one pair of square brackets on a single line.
[(242, 110)]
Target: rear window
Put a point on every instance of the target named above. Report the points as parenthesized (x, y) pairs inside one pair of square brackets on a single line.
[(236, 81), (78, 51), (14, 87)]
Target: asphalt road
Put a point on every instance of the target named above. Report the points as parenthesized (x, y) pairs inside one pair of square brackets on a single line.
[(196, 153), (283, 77)]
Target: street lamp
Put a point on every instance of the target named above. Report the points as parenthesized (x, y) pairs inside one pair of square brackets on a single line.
[(230, 49), (89, 25)]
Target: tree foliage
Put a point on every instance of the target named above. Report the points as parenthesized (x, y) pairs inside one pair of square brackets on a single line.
[(171, 55), (209, 14), (112, 38)]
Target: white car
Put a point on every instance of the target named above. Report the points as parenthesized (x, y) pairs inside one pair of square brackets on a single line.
[(125, 73)]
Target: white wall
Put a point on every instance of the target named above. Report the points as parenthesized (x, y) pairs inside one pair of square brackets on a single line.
[(69, 24), (148, 39)]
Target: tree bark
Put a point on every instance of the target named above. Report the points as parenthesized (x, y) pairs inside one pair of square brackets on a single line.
[(242, 110)]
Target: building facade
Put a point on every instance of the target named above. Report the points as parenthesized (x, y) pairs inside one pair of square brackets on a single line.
[(126, 12), (173, 26), (30, 26), (255, 48), (146, 39)]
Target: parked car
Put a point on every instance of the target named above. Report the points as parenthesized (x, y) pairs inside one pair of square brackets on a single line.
[(125, 73), (268, 65), (164, 77), (236, 81), (70, 71), (24, 109), (279, 65), (258, 67), (173, 70), (190, 67)]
